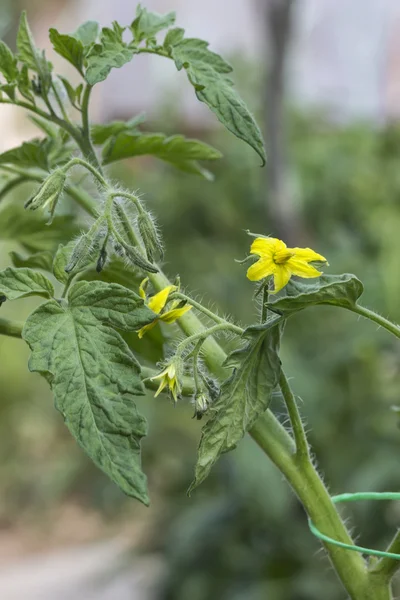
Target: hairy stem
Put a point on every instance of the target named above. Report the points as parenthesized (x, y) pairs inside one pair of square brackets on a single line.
[(387, 567), (206, 311), (89, 166), (308, 486), (373, 316), (302, 476), (11, 328), (299, 434)]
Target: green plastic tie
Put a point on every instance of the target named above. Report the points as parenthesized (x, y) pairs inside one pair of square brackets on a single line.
[(354, 498)]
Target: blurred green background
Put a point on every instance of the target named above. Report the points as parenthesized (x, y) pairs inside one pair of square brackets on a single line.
[(242, 535)]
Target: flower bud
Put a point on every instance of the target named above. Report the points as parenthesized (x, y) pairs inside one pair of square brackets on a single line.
[(201, 404), (49, 192), (101, 261), (85, 245), (135, 256), (149, 235)]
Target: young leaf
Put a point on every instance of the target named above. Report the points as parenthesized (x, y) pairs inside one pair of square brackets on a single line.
[(207, 72), (29, 154), (24, 84), (244, 397), (339, 290), (72, 93), (173, 37), (30, 55), (148, 24), (31, 231), (68, 47), (20, 283), (94, 375), (87, 33), (8, 63), (177, 150), (38, 260), (9, 89), (112, 52), (101, 133)]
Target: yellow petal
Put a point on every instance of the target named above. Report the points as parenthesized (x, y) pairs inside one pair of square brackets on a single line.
[(171, 315), (264, 247), (158, 301), (142, 286), (281, 277), (146, 328), (262, 268), (307, 255), (162, 385), (302, 268)]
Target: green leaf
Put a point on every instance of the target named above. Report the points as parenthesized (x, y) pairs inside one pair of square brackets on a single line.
[(244, 396), (9, 89), (30, 55), (8, 63), (20, 283), (29, 154), (112, 52), (101, 133), (148, 24), (72, 93), (38, 260), (30, 229), (180, 151), (207, 72), (87, 33), (25, 85), (94, 375), (173, 37), (68, 47), (339, 290)]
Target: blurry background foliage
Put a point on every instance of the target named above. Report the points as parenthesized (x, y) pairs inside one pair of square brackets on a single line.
[(242, 534)]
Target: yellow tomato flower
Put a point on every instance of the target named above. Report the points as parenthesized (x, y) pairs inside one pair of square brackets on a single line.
[(282, 262), (157, 303), (168, 378)]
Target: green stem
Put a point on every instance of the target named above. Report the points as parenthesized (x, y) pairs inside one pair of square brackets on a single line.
[(71, 129), (13, 183), (11, 328), (86, 144), (302, 476), (131, 197), (387, 567), (264, 308), (201, 336), (89, 166), (299, 434), (206, 311), (308, 486), (373, 316)]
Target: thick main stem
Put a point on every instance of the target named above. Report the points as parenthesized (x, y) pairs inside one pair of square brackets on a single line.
[(301, 475)]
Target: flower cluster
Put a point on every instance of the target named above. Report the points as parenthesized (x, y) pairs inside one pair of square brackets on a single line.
[(157, 304)]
